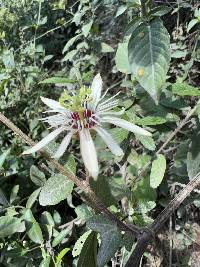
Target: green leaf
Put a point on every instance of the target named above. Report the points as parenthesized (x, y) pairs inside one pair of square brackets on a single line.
[(160, 11), (121, 58), (33, 228), (58, 80), (3, 157), (147, 142), (70, 55), (105, 48), (193, 156), (9, 225), (157, 171), (110, 238), (79, 244), (71, 42), (14, 192), (86, 28), (3, 199), (60, 237), (31, 200), (88, 256), (71, 164), (45, 262), (84, 212), (102, 189), (56, 189), (184, 89), (179, 54), (191, 24), (151, 120), (121, 10), (143, 191), (46, 218), (149, 56), (37, 176), (61, 255)]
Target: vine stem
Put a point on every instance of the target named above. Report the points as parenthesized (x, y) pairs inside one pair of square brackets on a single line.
[(84, 185)]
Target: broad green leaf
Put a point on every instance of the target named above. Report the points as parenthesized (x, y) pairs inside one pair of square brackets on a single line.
[(143, 191), (56, 189), (191, 24), (3, 157), (147, 142), (86, 28), (46, 218), (14, 192), (61, 255), (103, 191), (70, 55), (3, 199), (60, 237), (9, 225), (79, 244), (121, 10), (121, 58), (37, 176), (193, 156), (84, 212), (58, 80), (160, 11), (33, 228), (31, 200), (110, 238), (45, 262), (71, 164), (88, 256), (57, 217), (157, 171), (71, 42), (184, 89), (151, 120), (146, 206), (179, 54), (105, 48), (149, 56)]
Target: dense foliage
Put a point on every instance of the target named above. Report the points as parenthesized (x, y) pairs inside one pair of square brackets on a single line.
[(150, 52)]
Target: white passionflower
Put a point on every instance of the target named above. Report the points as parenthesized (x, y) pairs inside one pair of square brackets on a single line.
[(81, 113)]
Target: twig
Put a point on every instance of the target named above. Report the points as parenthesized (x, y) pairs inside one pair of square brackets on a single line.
[(83, 185), (155, 227)]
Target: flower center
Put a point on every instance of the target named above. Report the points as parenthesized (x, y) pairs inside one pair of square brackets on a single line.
[(83, 119)]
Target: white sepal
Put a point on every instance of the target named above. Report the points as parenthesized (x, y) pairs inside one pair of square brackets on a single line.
[(110, 142), (126, 125), (88, 153), (47, 139), (63, 146)]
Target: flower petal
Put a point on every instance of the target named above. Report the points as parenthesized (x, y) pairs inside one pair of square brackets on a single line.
[(55, 105), (63, 146), (126, 125), (47, 139), (96, 87), (110, 142), (88, 153)]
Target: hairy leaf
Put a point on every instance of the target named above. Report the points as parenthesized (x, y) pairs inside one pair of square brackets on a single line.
[(157, 171), (56, 189), (149, 56)]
